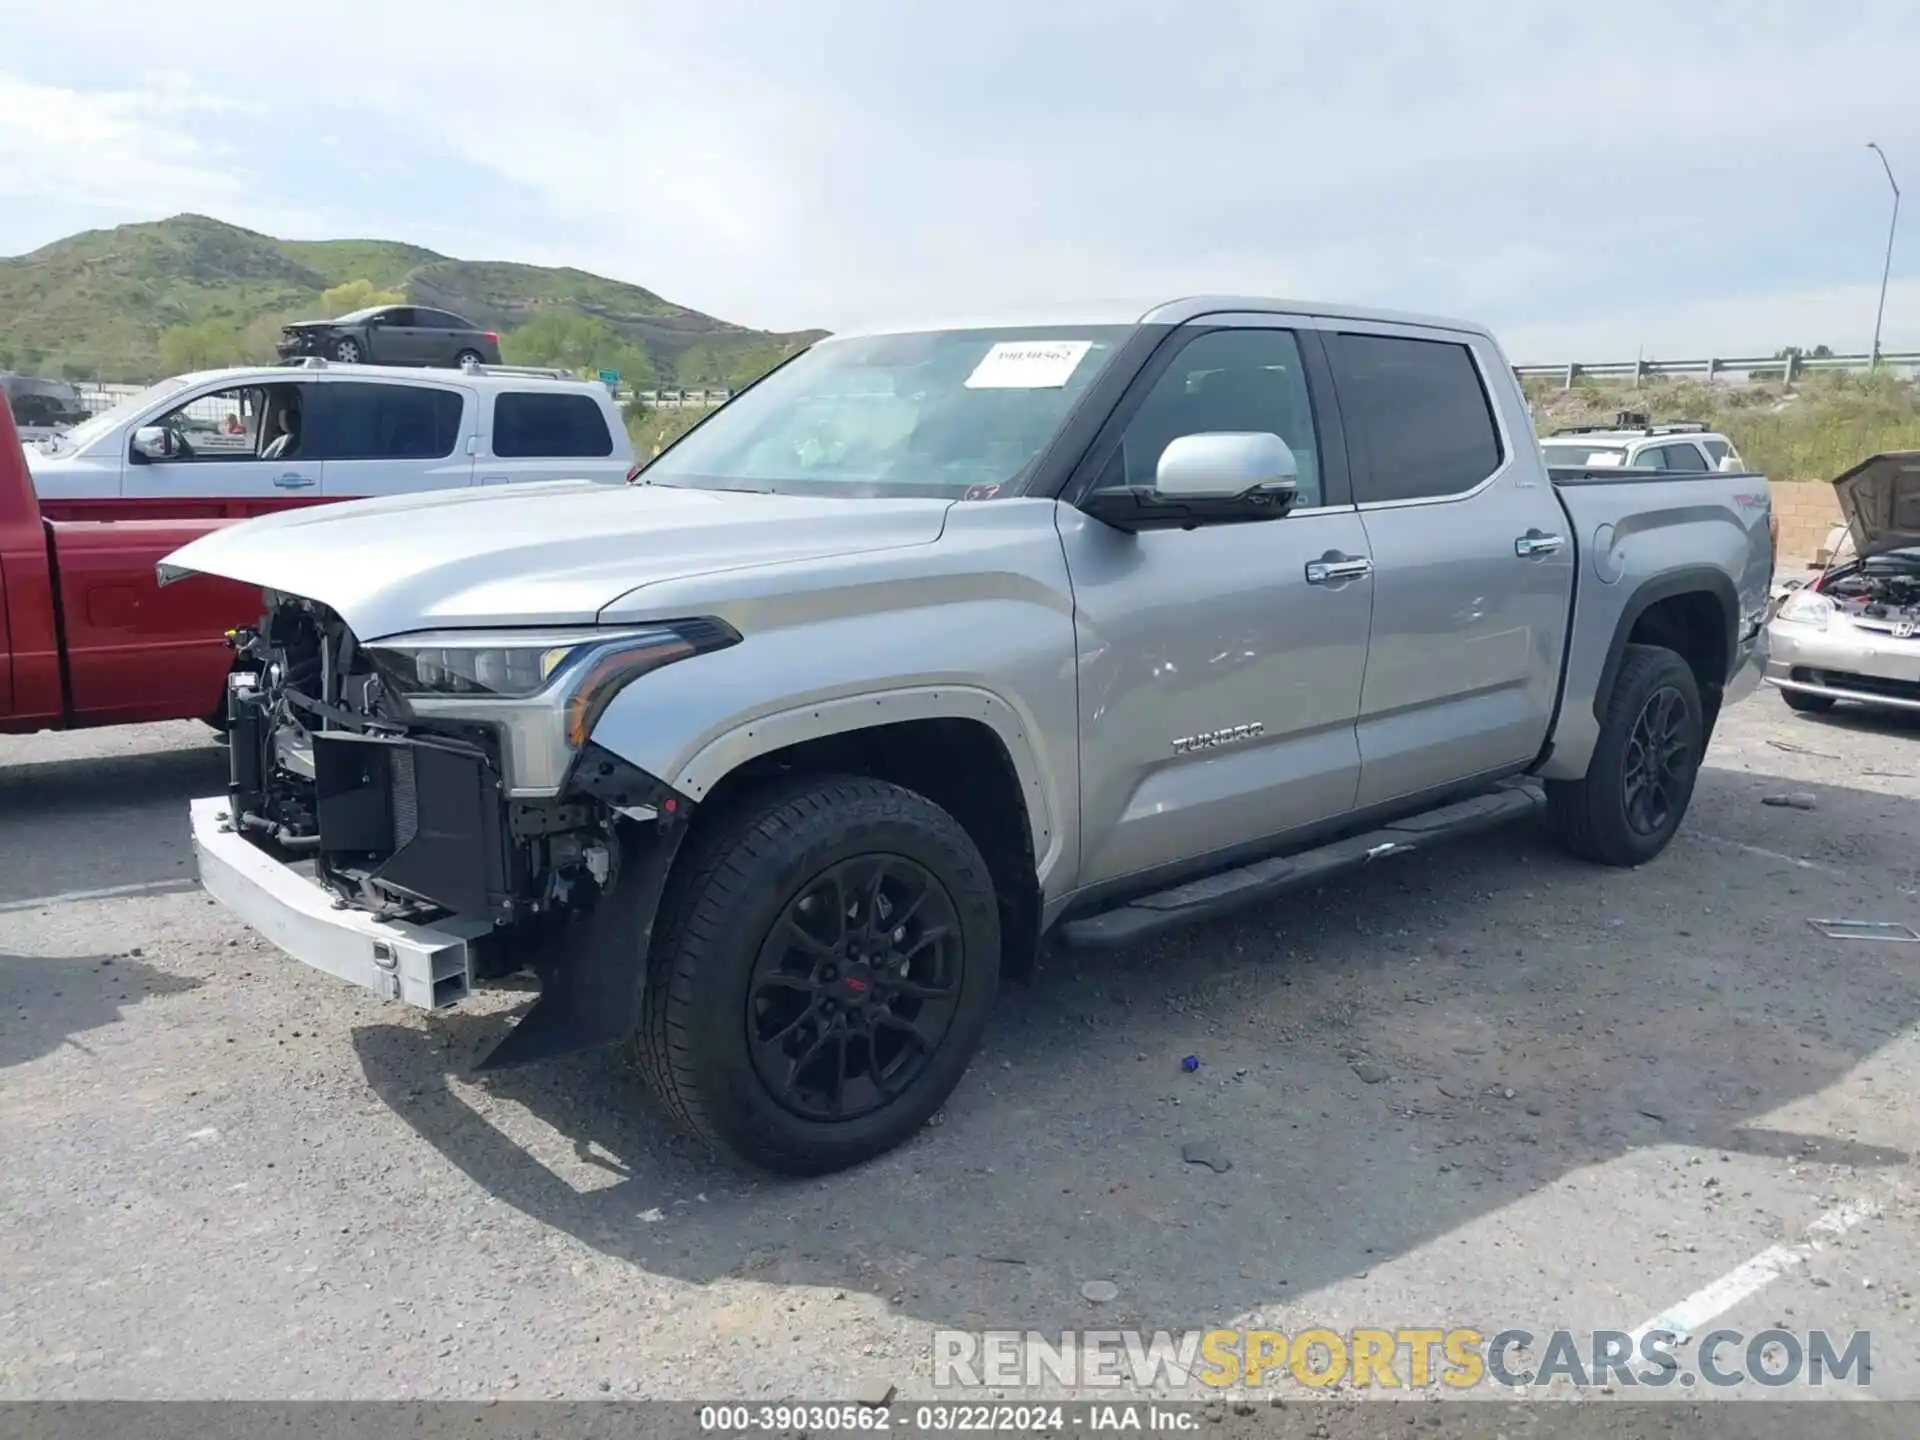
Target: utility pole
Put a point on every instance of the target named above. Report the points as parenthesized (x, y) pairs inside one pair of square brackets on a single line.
[(1887, 269)]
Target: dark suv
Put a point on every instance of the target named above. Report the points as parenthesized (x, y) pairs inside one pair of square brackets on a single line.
[(392, 335)]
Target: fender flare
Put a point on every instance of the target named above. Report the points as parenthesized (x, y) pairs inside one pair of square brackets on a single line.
[(1649, 593), (776, 730)]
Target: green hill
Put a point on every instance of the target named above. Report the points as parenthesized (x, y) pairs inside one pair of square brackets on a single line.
[(94, 305)]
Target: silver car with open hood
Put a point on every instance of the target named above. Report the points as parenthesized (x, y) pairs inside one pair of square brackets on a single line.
[(1854, 633)]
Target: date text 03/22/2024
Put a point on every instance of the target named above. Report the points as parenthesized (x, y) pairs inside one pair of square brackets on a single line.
[(937, 1419)]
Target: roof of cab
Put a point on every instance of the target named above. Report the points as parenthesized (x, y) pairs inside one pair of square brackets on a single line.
[(1177, 311)]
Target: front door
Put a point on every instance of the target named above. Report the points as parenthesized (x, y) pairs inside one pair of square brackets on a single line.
[(1219, 668), (388, 439), (234, 452), (1473, 563)]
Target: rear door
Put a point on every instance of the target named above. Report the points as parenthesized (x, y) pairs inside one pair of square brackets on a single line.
[(229, 458), (388, 438), (1472, 560), (549, 434), (443, 336)]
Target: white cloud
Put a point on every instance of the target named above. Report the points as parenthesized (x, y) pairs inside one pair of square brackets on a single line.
[(1571, 177), (113, 148)]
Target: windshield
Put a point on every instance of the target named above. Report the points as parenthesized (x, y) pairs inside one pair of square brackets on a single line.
[(934, 413), (1586, 457), (87, 431), (357, 317)]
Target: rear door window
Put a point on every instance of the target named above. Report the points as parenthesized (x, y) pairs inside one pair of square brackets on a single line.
[(358, 421), (1417, 417), (549, 425)]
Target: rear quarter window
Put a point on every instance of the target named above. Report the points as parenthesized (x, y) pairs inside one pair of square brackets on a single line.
[(531, 424)]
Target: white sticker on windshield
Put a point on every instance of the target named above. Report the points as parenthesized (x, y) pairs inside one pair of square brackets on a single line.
[(1028, 365)]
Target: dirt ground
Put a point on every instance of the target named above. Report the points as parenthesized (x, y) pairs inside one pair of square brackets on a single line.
[(1487, 1086)]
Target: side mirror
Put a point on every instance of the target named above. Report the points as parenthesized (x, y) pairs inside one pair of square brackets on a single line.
[(155, 442), (1224, 465), (1218, 478), (1730, 465)]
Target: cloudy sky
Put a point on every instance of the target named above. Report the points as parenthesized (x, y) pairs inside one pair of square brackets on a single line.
[(1593, 180)]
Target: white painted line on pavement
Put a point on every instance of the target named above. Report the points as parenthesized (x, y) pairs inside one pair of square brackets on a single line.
[(1712, 1301), (109, 892), (1765, 853)]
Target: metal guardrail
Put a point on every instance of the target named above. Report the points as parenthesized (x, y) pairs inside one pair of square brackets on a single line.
[(1778, 367)]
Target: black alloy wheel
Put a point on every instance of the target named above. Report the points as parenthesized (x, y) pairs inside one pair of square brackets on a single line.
[(1658, 772), (855, 988)]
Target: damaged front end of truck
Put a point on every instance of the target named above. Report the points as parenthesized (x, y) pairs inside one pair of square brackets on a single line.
[(441, 792)]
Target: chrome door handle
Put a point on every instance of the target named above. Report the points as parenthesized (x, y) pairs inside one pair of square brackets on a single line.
[(1534, 543), (293, 480), (1332, 571)]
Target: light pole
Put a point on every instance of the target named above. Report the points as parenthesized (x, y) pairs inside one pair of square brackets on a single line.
[(1886, 269)]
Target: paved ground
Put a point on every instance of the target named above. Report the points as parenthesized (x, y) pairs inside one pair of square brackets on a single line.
[(1486, 1087)]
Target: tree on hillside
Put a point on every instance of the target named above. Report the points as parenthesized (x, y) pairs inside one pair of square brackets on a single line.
[(202, 346), (576, 342), (356, 295)]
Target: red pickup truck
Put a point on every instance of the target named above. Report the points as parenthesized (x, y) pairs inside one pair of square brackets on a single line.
[(87, 637)]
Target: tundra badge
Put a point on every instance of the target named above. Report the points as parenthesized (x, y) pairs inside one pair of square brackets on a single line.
[(1213, 739)]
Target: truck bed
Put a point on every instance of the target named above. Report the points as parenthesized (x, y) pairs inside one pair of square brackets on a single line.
[(1639, 537)]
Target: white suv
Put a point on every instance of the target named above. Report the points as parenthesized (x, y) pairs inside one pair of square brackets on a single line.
[(1633, 444), (262, 437)]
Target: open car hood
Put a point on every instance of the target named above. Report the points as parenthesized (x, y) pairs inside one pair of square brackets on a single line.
[(1880, 501)]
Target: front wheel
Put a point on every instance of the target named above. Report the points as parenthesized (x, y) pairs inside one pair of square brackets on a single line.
[(1641, 776), (347, 351), (822, 975)]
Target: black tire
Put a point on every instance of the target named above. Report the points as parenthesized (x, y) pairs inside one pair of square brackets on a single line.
[(466, 357), (1603, 817), (1808, 704), (715, 965), (348, 351)]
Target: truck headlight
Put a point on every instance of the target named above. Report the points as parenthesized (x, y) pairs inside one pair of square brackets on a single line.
[(579, 670), (1806, 607)]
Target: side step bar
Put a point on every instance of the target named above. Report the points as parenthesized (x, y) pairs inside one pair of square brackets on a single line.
[(1231, 890)]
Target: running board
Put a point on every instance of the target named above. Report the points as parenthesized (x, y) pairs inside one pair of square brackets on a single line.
[(1231, 890)]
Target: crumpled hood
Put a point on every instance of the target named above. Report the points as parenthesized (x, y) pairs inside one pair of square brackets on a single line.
[(556, 553), (1880, 501)]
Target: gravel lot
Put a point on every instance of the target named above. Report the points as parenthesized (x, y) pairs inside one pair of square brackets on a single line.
[(1487, 1086)]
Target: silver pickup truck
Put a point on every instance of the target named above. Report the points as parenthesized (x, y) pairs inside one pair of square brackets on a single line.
[(939, 641)]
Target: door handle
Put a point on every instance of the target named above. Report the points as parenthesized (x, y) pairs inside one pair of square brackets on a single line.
[(293, 480), (1334, 567), (1534, 543)]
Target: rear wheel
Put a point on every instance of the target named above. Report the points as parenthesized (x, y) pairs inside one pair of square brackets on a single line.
[(823, 975), (466, 358), (1808, 704), (347, 351), (1641, 777)]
